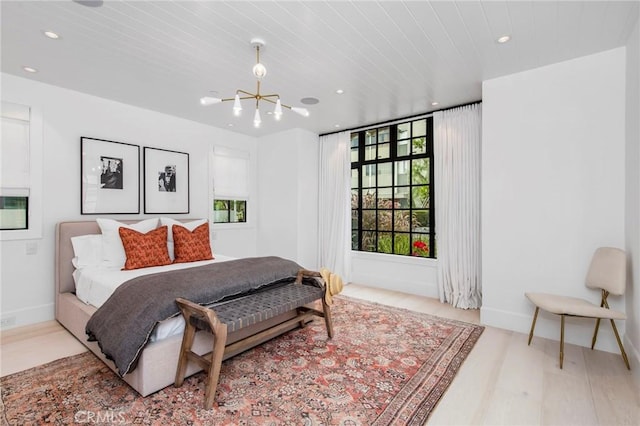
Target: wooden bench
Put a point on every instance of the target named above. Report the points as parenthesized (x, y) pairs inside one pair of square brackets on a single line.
[(243, 312)]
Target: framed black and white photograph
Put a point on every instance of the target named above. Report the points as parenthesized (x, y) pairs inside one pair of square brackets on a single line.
[(166, 181), (109, 177)]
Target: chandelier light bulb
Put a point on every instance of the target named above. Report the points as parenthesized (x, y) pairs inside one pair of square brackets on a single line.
[(278, 111), (259, 71), (237, 107), (256, 119), (207, 100), (302, 111)]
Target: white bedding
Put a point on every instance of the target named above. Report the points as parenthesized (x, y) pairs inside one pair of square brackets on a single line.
[(95, 284)]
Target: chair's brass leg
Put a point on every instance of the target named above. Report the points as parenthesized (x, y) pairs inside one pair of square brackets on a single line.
[(595, 333), (533, 325), (622, 352), (561, 340)]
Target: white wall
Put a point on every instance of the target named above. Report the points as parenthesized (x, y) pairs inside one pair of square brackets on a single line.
[(399, 273), (288, 188), (553, 188), (632, 223), (27, 281)]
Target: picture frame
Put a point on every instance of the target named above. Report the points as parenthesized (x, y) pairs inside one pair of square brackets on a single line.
[(166, 181), (109, 177)]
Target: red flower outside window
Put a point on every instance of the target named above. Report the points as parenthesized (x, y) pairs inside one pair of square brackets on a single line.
[(420, 248)]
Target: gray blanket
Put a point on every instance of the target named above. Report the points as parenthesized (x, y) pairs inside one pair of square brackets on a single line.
[(124, 323)]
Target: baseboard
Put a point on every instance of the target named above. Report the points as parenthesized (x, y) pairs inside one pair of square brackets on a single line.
[(27, 316), (578, 331), (634, 358)]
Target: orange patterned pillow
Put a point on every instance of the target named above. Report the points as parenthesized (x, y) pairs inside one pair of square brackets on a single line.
[(144, 250), (191, 246)]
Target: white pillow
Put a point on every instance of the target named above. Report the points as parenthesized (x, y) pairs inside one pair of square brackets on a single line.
[(113, 255), (170, 222), (87, 250)]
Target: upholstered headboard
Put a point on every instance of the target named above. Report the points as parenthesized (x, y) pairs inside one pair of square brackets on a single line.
[(64, 250)]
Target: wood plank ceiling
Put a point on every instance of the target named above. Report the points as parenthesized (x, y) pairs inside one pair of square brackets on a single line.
[(391, 58)]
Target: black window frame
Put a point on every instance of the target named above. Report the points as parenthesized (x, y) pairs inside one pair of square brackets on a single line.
[(361, 164)]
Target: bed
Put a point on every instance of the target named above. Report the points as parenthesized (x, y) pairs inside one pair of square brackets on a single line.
[(156, 365)]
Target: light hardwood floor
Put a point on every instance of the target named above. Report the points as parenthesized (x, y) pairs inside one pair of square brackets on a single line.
[(502, 382)]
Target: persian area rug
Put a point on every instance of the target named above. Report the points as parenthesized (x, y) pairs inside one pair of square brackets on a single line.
[(384, 366)]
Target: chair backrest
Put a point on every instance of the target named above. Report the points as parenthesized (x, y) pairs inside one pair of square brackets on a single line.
[(608, 270)]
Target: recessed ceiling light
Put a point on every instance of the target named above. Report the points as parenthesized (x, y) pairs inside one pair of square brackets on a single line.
[(434, 103), (51, 35), (29, 69), (309, 101), (230, 125), (90, 3), (504, 39), (339, 91), (336, 125)]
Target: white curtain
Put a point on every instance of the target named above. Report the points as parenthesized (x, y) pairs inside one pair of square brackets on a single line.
[(334, 227), (456, 149)]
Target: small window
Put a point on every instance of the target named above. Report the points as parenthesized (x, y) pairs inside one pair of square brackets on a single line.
[(14, 212), (229, 211), (20, 172), (230, 185)]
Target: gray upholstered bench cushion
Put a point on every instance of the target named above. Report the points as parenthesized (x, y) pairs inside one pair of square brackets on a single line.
[(257, 307)]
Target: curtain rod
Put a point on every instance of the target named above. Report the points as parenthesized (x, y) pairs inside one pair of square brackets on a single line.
[(397, 120)]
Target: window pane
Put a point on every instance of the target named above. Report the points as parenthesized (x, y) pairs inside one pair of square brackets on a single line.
[(420, 171), (369, 199), (13, 212), (354, 219), (384, 151), (368, 241), (384, 242), (370, 137), (401, 244), (238, 211), (221, 211), (420, 196), (383, 135), (420, 221), (384, 174), (370, 152), (404, 131), (354, 240), (385, 198), (402, 220), (354, 198), (420, 245), (369, 176), (419, 146), (354, 140), (354, 155), (403, 148), (401, 198), (369, 219), (419, 128), (354, 178), (384, 220), (402, 173)]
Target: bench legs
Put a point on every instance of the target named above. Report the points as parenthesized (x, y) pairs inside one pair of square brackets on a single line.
[(212, 361)]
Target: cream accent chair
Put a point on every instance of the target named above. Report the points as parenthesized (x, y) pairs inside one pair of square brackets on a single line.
[(607, 273)]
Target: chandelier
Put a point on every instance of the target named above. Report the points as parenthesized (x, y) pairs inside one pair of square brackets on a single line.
[(259, 71)]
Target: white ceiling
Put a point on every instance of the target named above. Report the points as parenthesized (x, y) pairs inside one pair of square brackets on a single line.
[(392, 58)]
